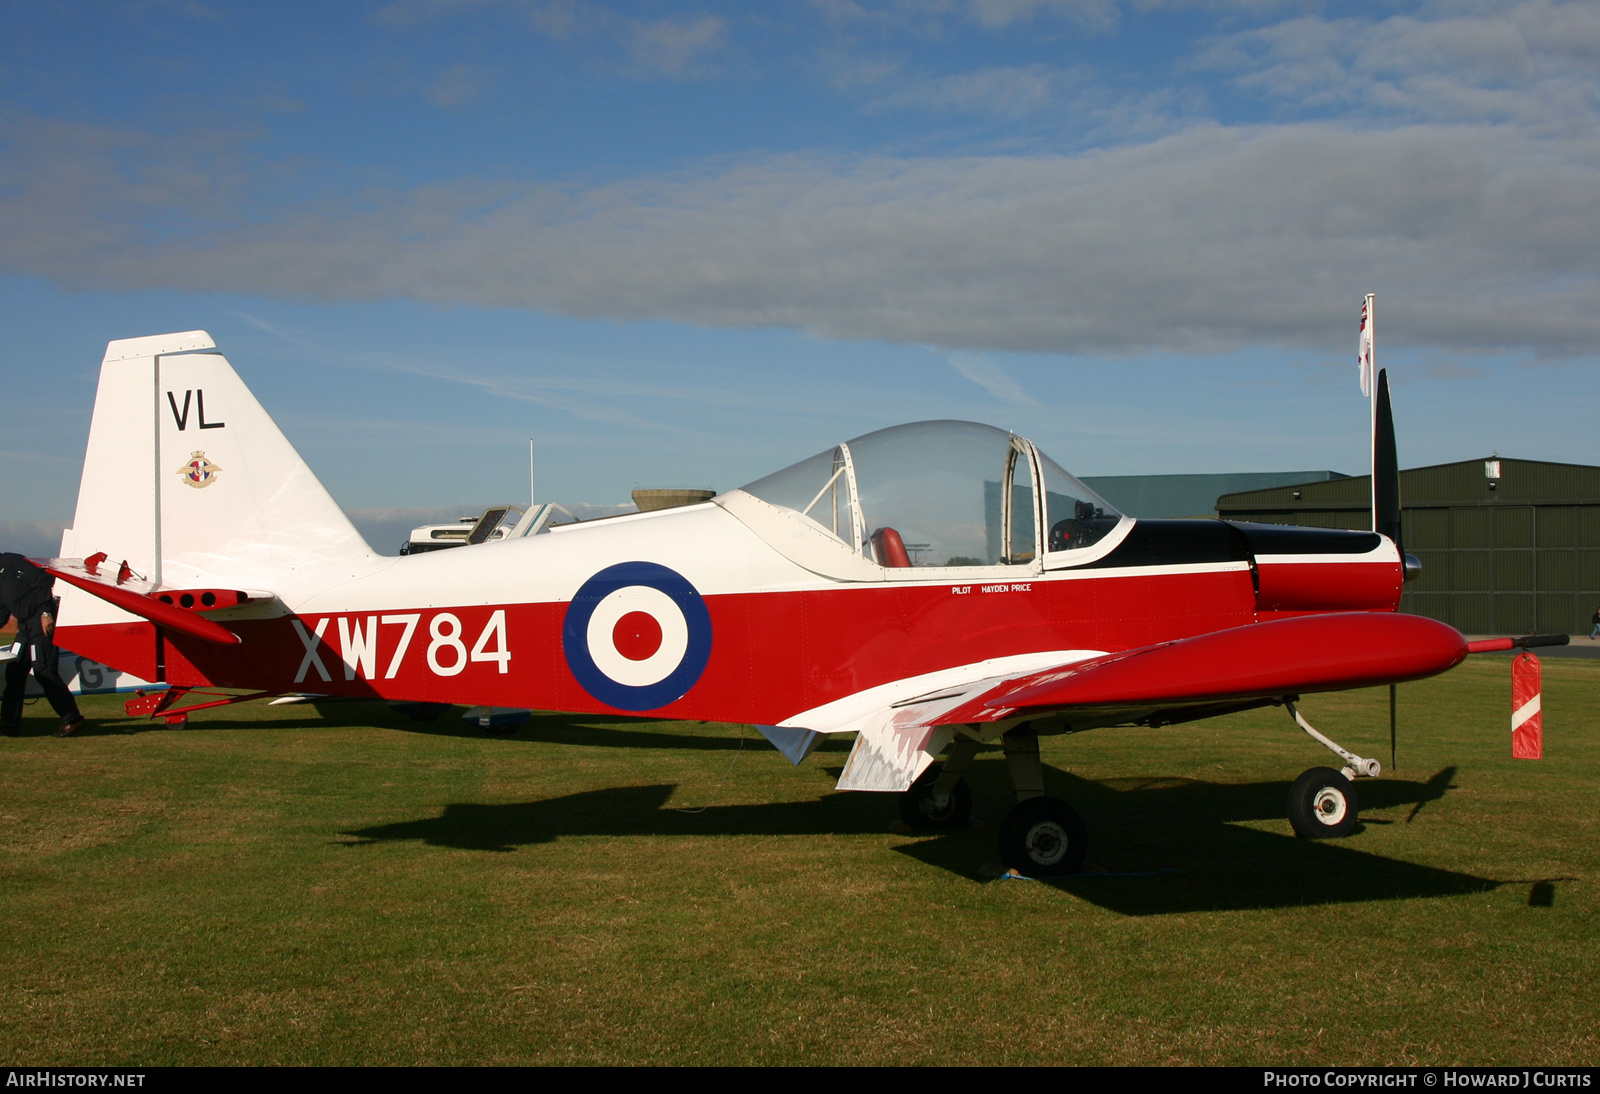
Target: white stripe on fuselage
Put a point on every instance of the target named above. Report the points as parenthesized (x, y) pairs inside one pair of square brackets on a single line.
[(715, 551), (844, 715)]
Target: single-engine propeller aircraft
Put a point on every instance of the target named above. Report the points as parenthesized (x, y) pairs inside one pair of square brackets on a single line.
[(934, 588)]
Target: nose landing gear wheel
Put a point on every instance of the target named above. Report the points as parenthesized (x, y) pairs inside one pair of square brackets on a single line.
[(1043, 837), (919, 809), (1322, 804)]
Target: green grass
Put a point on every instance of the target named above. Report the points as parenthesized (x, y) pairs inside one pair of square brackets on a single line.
[(288, 885)]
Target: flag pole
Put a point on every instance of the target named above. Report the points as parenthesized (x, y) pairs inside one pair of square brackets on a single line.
[(1371, 347), (1369, 376)]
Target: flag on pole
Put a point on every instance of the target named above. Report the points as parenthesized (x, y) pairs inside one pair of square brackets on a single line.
[(1364, 349), (1527, 718)]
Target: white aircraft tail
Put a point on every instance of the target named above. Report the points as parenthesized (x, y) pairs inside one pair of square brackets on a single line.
[(190, 482)]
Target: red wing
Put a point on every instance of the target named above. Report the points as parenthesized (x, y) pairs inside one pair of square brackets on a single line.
[(1260, 661)]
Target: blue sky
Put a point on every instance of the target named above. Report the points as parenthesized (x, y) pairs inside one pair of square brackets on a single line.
[(685, 244)]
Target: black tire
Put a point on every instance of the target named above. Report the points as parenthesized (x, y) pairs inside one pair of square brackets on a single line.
[(1323, 804), (1043, 837), (917, 808), (500, 731)]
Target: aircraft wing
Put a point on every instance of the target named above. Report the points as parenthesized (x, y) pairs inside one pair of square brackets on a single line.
[(1226, 670)]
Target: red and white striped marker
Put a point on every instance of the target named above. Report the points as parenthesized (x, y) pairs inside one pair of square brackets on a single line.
[(1527, 721)]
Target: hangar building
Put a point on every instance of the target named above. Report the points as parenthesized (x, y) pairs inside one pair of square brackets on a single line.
[(1507, 546), (1157, 497)]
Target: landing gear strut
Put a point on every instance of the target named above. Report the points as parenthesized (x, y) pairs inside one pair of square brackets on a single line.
[(1322, 801), (1041, 836)]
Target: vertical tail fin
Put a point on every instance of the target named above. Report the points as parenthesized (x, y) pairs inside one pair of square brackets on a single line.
[(188, 478)]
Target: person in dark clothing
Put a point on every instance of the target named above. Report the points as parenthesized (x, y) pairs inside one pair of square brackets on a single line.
[(25, 593)]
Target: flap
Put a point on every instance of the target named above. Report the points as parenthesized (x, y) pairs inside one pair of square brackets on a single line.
[(891, 758), (900, 725), (895, 744)]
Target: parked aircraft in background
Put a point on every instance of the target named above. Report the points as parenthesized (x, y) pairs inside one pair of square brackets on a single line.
[(466, 532), (82, 675), (933, 588)]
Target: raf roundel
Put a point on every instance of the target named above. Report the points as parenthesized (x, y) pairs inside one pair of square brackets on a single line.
[(637, 636)]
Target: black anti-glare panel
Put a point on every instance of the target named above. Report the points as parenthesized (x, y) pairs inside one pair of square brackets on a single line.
[(1291, 539)]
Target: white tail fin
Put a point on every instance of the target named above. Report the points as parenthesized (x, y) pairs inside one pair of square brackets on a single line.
[(189, 480)]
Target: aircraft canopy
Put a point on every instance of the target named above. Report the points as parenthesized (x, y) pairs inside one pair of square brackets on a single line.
[(948, 493)]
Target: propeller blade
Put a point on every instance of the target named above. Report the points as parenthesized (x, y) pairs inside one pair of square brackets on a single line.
[(1385, 467)]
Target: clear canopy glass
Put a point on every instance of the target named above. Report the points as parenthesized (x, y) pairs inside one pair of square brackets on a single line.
[(941, 493)]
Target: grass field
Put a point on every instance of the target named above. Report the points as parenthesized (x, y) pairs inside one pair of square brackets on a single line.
[(303, 886)]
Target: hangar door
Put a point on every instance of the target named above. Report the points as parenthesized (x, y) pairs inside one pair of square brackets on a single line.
[(1519, 569)]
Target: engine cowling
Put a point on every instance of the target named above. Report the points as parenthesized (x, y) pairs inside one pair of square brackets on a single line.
[(1322, 569)]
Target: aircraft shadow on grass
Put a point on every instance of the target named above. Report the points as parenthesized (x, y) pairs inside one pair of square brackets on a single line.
[(1137, 825), (1188, 830), (617, 731), (610, 731)]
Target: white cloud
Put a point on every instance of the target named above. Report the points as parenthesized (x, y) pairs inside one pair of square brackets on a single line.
[(1002, 90), (1092, 14), (671, 47), (940, 16), (989, 375), (32, 538), (457, 85), (1532, 62), (1204, 240), (675, 47)]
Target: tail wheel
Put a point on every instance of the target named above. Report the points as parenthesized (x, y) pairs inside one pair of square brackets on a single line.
[(1323, 805), (919, 809), (1043, 837)]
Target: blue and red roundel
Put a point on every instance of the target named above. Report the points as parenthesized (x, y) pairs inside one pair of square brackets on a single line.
[(637, 636)]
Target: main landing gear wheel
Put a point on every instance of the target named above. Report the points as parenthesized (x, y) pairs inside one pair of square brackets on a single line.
[(919, 809), (1043, 837), (1322, 804)]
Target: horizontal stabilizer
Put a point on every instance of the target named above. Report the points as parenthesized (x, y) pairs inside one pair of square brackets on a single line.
[(139, 597)]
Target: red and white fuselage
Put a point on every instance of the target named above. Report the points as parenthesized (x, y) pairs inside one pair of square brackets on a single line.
[(748, 608)]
